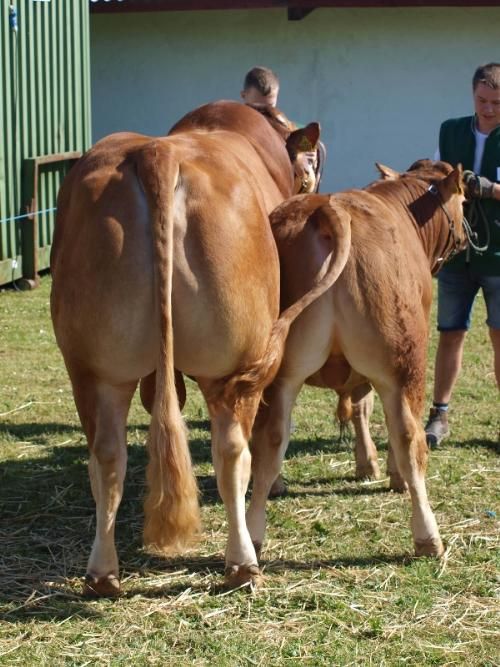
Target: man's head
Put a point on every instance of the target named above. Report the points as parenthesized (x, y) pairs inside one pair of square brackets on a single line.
[(261, 86), (486, 93)]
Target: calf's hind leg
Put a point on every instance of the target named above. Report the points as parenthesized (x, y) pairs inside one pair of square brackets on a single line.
[(410, 452), (270, 439), (103, 411)]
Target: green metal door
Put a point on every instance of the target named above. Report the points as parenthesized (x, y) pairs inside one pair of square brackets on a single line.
[(44, 122)]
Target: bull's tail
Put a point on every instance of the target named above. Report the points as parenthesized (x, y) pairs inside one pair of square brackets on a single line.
[(171, 506), (332, 222)]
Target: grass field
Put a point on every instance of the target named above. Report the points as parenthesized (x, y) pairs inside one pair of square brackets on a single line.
[(341, 586)]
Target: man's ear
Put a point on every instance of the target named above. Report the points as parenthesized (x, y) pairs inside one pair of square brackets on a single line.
[(386, 173), (304, 140)]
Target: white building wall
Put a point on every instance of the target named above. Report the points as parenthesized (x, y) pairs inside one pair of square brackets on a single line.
[(380, 81)]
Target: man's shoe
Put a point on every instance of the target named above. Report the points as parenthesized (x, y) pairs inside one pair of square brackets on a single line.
[(436, 428)]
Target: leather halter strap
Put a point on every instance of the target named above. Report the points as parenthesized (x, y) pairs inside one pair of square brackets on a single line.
[(452, 231)]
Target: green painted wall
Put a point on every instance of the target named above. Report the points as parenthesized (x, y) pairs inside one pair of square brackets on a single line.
[(44, 110)]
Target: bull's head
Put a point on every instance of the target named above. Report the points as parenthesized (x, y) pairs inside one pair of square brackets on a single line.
[(302, 146), (306, 152)]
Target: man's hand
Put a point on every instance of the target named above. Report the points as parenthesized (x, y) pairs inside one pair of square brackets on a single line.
[(477, 187)]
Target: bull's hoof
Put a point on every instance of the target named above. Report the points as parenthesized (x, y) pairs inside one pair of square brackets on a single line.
[(101, 587), (433, 547), (368, 471), (397, 484), (278, 488), (236, 576)]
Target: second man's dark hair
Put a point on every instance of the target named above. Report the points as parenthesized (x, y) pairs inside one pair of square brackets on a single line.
[(261, 78)]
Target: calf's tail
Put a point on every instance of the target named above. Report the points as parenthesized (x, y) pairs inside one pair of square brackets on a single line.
[(171, 508)]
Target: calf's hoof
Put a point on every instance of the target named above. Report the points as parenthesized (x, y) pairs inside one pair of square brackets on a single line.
[(101, 587), (431, 547), (397, 484), (368, 471), (240, 575), (278, 488)]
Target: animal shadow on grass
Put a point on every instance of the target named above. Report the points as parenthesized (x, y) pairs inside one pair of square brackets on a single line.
[(334, 445), (339, 445), (47, 522), (351, 491), (494, 445), (36, 433), (44, 523), (47, 519), (201, 452), (214, 565)]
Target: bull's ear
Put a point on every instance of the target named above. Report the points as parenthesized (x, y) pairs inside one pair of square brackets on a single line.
[(452, 183), (304, 140), (386, 173)]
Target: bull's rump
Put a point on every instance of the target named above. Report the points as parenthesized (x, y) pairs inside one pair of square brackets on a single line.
[(225, 294)]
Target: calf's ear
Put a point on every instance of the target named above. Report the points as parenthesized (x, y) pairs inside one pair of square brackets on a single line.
[(304, 140), (452, 183), (386, 173)]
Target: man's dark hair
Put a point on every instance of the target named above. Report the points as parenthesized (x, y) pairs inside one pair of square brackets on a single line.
[(488, 74), (261, 78)]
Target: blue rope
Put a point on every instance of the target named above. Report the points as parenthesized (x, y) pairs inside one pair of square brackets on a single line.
[(27, 215)]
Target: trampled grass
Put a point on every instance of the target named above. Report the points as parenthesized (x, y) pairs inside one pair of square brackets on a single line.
[(341, 586)]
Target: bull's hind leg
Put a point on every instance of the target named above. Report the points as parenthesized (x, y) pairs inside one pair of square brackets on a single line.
[(231, 458), (365, 451), (410, 451), (396, 481), (148, 386), (270, 439), (103, 411)]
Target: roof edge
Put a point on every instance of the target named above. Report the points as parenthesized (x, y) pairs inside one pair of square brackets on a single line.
[(123, 6)]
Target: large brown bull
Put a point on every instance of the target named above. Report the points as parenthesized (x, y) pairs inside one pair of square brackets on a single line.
[(163, 256), (371, 327)]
